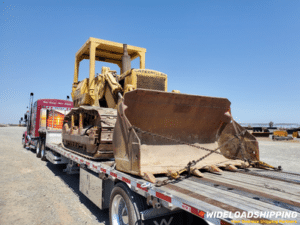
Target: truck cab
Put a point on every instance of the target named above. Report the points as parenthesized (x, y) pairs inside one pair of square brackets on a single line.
[(44, 114)]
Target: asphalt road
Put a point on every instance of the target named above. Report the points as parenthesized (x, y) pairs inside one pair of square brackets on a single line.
[(35, 192)]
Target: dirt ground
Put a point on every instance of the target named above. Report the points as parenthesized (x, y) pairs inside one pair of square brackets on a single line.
[(280, 153), (35, 192)]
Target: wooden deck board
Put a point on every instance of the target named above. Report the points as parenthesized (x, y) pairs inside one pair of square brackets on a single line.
[(236, 200), (293, 189), (248, 185)]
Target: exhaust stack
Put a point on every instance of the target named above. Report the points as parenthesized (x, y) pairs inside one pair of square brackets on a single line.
[(126, 61)]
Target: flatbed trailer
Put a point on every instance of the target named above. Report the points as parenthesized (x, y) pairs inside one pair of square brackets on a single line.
[(245, 196)]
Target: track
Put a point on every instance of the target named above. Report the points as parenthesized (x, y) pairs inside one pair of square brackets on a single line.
[(78, 153)]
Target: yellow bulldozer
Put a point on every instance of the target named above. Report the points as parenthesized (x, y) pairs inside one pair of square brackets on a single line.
[(132, 118)]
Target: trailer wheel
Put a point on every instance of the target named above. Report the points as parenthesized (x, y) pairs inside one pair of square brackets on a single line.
[(125, 206), (43, 151)]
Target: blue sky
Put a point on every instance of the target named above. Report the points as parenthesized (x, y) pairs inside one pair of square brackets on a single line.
[(245, 50)]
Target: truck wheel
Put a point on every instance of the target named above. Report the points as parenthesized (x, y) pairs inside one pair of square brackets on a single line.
[(43, 151), (23, 142), (125, 206), (38, 149)]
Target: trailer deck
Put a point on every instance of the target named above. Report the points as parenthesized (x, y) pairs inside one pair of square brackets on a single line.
[(229, 195)]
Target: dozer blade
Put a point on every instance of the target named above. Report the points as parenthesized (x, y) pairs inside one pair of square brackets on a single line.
[(233, 149), (149, 122)]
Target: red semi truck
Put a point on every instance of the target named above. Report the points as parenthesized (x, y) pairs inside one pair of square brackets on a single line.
[(44, 114)]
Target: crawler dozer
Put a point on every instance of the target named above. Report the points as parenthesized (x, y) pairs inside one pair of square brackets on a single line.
[(132, 118)]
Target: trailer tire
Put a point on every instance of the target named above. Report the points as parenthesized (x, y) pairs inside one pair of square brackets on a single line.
[(43, 151), (125, 206), (38, 149)]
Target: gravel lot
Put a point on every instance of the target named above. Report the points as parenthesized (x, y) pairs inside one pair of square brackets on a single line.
[(36, 192), (284, 153)]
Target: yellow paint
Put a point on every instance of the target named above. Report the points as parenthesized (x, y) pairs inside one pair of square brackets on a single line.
[(296, 134), (105, 87), (280, 133)]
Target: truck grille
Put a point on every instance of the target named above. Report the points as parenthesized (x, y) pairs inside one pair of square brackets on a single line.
[(150, 82)]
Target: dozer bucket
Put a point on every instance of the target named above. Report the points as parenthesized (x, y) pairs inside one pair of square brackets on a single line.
[(155, 130)]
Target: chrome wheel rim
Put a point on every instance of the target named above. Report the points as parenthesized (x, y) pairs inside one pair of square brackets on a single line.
[(119, 211)]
